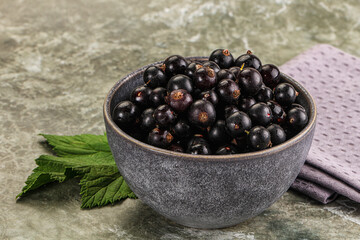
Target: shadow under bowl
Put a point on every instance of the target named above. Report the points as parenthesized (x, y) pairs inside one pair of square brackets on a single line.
[(206, 191)]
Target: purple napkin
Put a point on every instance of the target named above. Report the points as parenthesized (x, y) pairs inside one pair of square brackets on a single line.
[(333, 164)]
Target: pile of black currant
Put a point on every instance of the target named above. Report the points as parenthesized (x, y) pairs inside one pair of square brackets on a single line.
[(220, 106)]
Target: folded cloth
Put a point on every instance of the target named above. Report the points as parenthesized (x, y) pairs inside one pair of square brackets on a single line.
[(333, 164)]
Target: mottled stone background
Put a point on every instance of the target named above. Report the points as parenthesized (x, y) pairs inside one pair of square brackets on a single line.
[(58, 59)]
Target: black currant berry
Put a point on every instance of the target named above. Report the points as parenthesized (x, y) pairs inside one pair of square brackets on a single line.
[(212, 65), (218, 135), (277, 111), (225, 74), (277, 133), (210, 96), (174, 64), (191, 69), (160, 138), (265, 94), (157, 96), (237, 123), (205, 78), (164, 115), (285, 94), (245, 103), (297, 118), (222, 57), (140, 96), (180, 100), (154, 77), (250, 81), (270, 74), (227, 150), (228, 91), (147, 121), (181, 129), (202, 114), (260, 114), (248, 60), (125, 113), (230, 109), (259, 138), (199, 149), (196, 139), (180, 81)]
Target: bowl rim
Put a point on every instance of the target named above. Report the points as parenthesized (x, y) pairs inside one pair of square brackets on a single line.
[(250, 155)]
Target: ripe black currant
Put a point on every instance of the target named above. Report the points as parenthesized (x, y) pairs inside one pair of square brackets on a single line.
[(245, 103), (228, 91), (160, 138), (174, 64), (164, 115), (237, 123), (180, 100), (154, 77), (227, 150), (297, 118), (202, 113), (270, 74), (147, 121), (125, 113), (260, 114), (205, 78), (157, 96), (222, 57), (285, 94), (277, 133), (248, 60), (259, 138), (140, 96), (265, 94), (180, 81), (250, 81)]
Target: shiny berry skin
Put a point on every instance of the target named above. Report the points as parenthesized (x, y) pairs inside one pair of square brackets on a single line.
[(191, 69), (217, 134), (210, 96), (202, 114), (174, 64), (199, 149), (296, 118), (196, 139), (265, 94), (147, 121), (237, 123), (250, 81), (226, 150), (181, 129), (228, 91), (180, 81), (222, 57), (154, 77), (259, 138), (140, 96), (230, 109), (205, 78), (164, 115), (160, 138), (226, 74), (157, 96), (277, 111), (245, 103), (235, 70), (270, 74), (125, 113), (180, 100), (285, 94), (176, 148), (277, 133), (260, 114), (248, 60), (212, 65)]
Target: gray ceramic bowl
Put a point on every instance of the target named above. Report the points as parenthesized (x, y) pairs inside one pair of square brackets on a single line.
[(206, 191)]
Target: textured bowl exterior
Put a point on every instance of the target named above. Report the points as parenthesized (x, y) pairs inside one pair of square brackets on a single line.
[(206, 191)]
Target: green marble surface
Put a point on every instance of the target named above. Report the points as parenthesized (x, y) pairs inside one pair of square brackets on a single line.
[(59, 58)]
